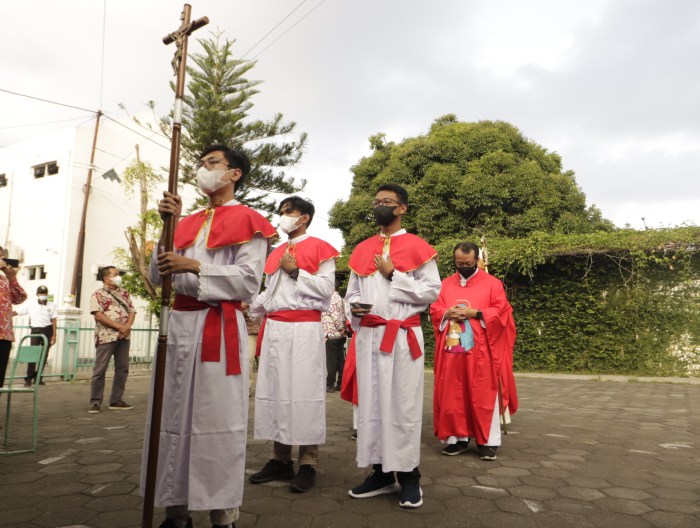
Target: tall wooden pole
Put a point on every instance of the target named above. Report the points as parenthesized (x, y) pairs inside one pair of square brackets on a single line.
[(180, 38), (77, 283)]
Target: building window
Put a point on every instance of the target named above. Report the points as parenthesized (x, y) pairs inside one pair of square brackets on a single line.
[(3, 180), (43, 169), (36, 272)]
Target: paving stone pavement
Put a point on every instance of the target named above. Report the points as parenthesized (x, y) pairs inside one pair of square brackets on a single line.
[(579, 454)]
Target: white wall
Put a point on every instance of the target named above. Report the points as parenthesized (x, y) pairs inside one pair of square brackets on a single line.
[(42, 216)]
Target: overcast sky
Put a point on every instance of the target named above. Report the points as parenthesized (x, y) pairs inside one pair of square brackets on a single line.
[(613, 86)]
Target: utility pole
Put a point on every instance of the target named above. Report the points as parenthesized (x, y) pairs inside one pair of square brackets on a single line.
[(76, 285)]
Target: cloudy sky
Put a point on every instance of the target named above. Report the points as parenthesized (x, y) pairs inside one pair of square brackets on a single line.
[(611, 85)]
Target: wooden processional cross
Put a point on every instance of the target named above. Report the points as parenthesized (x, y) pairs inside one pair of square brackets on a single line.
[(179, 37)]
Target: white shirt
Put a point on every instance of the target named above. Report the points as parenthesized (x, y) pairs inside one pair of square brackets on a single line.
[(40, 315)]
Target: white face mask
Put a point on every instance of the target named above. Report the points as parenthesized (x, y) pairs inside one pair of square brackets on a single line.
[(209, 181), (288, 223), (117, 281), (43, 298)]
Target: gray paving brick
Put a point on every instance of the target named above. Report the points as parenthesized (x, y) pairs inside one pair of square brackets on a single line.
[(573, 463)]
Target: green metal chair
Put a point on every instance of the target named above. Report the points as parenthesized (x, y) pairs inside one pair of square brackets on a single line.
[(25, 354)]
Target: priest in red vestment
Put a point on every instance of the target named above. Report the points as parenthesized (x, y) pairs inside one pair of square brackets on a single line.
[(474, 338)]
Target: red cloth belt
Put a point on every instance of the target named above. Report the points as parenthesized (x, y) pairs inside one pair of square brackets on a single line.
[(211, 338), (286, 316), (392, 329)]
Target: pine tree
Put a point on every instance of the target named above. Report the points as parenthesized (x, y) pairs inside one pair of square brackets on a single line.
[(215, 110)]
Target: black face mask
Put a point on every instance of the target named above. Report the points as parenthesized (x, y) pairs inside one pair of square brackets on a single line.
[(384, 215), (467, 272)]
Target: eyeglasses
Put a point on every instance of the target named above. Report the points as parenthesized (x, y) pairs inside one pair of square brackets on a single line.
[(386, 201), (211, 162)]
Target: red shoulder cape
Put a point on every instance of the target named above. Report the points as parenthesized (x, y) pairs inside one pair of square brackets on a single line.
[(309, 253), (488, 363), (408, 252), (231, 224)]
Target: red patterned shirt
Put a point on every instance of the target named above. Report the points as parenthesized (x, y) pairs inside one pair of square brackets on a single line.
[(116, 305), (334, 319), (10, 293)]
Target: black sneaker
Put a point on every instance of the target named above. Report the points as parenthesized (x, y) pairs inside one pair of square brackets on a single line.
[(378, 483), (121, 405), (94, 408), (411, 495), (304, 479), (330, 389), (353, 436), (455, 449), (487, 452), (273, 470), (170, 523), (27, 384)]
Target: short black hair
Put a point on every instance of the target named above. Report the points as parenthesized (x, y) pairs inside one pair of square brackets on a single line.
[(236, 159), (299, 204), (396, 189), (105, 271), (466, 248)]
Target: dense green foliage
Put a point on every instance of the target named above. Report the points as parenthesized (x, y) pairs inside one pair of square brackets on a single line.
[(468, 180)]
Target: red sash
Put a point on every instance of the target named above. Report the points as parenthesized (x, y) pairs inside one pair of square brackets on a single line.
[(287, 316), (348, 390), (392, 329), (211, 339)]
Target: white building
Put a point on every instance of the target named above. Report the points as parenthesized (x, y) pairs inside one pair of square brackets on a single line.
[(42, 184)]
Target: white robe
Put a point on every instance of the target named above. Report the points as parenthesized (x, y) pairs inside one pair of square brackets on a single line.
[(290, 391), (390, 386), (201, 460)]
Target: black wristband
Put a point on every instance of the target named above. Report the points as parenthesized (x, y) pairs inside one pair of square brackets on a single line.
[(294, 274), (390, 276), (479, 315)]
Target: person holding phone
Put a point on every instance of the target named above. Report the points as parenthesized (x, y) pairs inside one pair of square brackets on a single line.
[(10, 293), (394, 278)]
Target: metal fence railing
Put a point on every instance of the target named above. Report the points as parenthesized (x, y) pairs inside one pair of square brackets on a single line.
[(73, 354)]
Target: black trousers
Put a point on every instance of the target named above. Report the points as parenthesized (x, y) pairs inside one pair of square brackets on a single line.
[(404, 477), (335, 361), (5, 348), (35, 341)]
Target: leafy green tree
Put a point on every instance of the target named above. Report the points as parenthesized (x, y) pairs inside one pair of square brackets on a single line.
[(140, 177), (216, 109), (466, 180)]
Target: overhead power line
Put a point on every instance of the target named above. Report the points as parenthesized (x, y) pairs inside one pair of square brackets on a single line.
[(48, 101), (275, 27), (41, 124), (288, 29)]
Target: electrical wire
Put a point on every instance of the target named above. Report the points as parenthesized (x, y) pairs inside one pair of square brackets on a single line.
[(48, 101), (288, 30), (276, 26), (136, 132), (44, 123)]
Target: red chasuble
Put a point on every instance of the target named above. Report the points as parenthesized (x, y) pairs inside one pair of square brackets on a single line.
[(231, 224), (408, 252), (466, 384), (309, 253)]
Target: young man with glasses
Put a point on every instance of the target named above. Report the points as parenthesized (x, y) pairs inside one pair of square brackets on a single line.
[(394, 278), (216, 266)]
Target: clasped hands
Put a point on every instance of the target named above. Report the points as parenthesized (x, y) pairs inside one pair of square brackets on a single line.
[(288, 263), (460, 313)]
